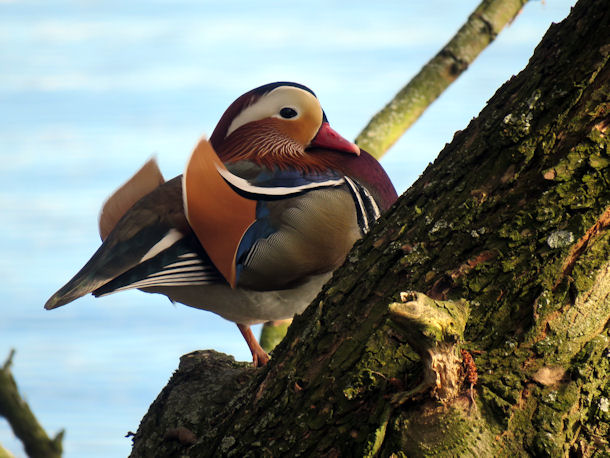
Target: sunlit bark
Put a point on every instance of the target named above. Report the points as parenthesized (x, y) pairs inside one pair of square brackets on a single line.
[(492, 270)]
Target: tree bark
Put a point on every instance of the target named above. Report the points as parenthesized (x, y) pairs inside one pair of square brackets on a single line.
[(472, 320), (389, 124)]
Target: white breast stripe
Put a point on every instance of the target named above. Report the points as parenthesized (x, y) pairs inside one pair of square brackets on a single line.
[(372, 203), (367, 210), (246, 186), (363, 220), (168, 240)]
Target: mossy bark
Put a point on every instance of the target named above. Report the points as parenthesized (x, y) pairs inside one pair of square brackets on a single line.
[(15, 409), (511, 223), (400, 113)]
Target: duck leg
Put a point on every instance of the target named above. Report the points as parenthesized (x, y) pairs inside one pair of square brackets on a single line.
[(259, 356)]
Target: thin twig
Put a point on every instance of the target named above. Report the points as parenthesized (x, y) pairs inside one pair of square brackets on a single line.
[(480, 30)]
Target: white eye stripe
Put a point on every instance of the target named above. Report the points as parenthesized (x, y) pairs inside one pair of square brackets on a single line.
[(270, 105)]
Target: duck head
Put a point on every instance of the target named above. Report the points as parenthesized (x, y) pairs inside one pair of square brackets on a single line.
[(278, 125)]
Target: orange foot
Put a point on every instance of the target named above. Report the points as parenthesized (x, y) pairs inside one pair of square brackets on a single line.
[(259, 356)]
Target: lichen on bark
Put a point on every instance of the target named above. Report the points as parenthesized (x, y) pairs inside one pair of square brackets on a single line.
[(513, 217)]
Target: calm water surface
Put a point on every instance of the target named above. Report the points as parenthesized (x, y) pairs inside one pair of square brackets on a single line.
[(89, 90)]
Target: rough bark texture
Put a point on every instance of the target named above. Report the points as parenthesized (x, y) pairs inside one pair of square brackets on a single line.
[(479, 31), (389, 124), (509, 230)]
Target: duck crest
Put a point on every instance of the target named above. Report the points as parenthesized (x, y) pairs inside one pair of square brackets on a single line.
[(267, 141)]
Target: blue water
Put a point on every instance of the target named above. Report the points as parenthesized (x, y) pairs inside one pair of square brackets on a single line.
[(90, 89)]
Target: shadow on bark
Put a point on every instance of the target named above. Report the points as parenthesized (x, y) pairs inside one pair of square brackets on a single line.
[(509, 225)]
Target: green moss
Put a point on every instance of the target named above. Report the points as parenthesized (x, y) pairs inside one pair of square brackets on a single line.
[(319, 417), (509, 394), (590, 261), (546, 444), (567, 397), (528, 201), (376, 439), (498, 405), (444, 432), (416, 255), (383, 359), (597, 161)]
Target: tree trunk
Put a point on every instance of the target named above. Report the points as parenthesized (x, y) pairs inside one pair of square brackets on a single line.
[(505, 240)]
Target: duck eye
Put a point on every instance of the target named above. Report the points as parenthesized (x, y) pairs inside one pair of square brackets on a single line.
[(288, 113)]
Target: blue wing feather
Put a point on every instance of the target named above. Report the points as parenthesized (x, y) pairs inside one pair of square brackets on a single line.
[(260, 229), (278, 190)]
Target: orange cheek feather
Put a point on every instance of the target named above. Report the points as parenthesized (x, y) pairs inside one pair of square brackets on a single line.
[(217, 214), (302, 131)]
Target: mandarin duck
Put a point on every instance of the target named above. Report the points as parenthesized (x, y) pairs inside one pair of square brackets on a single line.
[(265, 211)]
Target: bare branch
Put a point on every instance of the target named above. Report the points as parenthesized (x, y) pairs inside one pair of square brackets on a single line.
[(481, 28), (23, 422)]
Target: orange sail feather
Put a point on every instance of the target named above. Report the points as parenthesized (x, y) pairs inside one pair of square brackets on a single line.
[(145, 180), (217, 214)]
